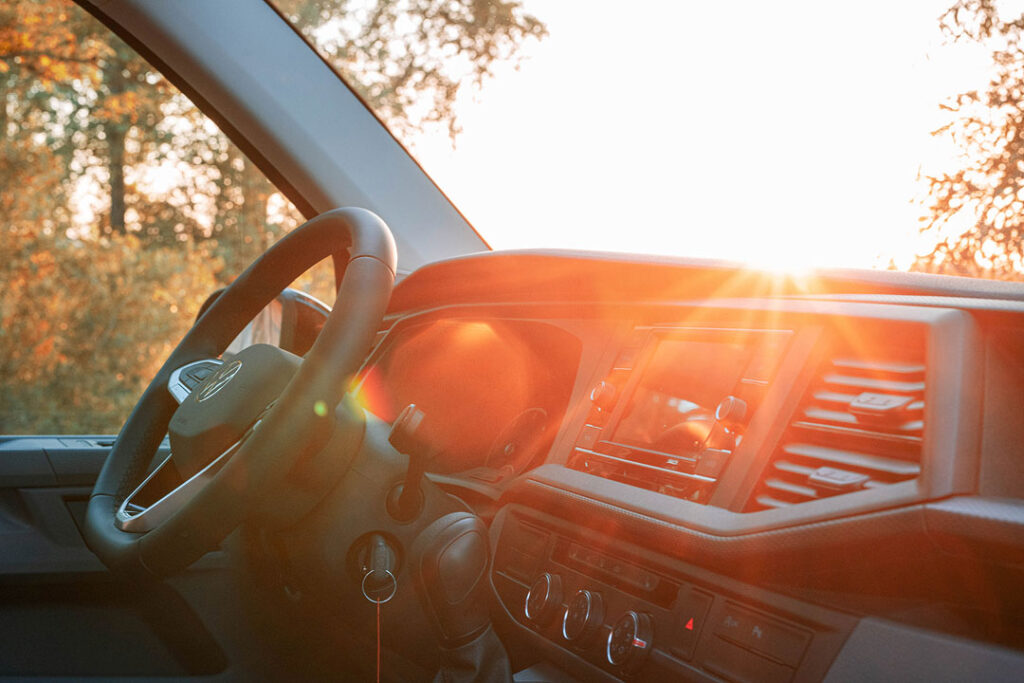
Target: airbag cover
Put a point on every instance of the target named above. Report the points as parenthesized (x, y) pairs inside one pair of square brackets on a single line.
[(219, 411)]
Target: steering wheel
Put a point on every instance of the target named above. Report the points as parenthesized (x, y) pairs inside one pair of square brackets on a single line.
[(266, 428)]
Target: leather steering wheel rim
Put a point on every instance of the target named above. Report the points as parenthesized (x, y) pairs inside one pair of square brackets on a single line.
[(293, 430)]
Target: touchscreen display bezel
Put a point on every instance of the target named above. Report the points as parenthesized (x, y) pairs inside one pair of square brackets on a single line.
[(750, 339)]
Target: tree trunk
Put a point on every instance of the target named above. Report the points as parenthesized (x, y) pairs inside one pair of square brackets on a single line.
[(3, 112), (115, 130), (254, 197), (115, 145)]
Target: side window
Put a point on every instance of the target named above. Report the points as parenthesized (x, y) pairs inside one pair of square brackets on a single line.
[(122, 207)]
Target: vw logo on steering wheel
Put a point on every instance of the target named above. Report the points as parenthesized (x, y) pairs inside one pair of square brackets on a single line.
[(219, 380)]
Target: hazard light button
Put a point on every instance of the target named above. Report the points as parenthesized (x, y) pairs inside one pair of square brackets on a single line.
[(691, 610)]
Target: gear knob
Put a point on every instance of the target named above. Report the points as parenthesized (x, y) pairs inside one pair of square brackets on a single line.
[(450, 560)]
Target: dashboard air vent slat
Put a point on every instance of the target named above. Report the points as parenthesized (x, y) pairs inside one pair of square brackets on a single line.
[(859, 461), (860, 425)]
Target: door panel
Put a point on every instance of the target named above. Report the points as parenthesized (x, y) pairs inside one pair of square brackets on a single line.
[(44, 486), (61, 613)]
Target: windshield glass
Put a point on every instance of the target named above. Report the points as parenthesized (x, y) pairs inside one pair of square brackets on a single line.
[(786, 134)]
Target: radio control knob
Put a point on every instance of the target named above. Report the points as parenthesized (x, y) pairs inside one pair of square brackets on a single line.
[(583, 616), (630, 641), (544, 598), (731, 411), (603, 395)]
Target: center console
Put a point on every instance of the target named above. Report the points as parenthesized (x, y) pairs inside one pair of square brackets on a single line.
[(614, 609)]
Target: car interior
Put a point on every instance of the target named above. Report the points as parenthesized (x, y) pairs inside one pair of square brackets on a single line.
[(535, 465)]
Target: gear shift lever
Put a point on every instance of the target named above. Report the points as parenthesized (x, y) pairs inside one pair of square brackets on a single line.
[(449, 565), (449, 560)]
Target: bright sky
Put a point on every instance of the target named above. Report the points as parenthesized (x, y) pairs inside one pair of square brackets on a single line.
[(781, 133)]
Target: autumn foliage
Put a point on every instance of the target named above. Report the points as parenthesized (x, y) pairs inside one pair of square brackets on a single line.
[(122, 206), (102, 271), (975, 210)]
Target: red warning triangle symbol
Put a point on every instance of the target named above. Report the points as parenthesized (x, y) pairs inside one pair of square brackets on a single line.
[(689, 624)]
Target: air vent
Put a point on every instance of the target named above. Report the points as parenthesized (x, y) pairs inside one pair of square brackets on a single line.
[(859, 426)]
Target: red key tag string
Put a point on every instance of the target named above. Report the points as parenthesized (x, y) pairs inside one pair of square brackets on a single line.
[(379, 600)]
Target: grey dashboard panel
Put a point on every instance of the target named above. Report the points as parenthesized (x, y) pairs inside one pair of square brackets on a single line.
[(311, 135), (929, 552), (879, 650), (976, 525), (952, 431)]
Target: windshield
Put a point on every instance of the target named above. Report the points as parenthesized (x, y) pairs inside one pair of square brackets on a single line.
[(786, 134)]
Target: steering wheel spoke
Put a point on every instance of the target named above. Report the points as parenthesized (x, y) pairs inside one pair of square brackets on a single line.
[(189, 376), (137, 514)]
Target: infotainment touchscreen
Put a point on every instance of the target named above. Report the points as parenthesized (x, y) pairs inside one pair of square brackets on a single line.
[(673, 404)]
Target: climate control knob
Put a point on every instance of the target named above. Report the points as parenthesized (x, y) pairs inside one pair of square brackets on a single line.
[(630, 641), (583, 616), (544, 598)]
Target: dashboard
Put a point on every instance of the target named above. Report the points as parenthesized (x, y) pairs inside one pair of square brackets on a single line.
[(696, 472)]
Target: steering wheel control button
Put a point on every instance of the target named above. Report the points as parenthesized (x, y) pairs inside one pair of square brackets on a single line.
[(188, 377), (196, 373), (630, 641), (583, 616), (544, 598), (203, 371)]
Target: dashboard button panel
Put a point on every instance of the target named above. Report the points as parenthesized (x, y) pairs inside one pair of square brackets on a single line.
[(743, 666), (763, 634), (631, 616), (627, 576)]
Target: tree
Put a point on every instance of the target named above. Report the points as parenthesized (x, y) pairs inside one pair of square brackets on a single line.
[(109, 116), (977, 211), (410, 58), (82, 92), (91, 305), (105, 110)]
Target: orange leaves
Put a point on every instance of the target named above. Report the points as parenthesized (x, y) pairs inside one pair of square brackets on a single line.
[(43, 349), (51, 39), (86, 317), (81, 331), (40, 259), (120, 107)]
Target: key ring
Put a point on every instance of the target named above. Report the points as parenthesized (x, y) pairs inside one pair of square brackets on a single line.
[(394, 586)]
